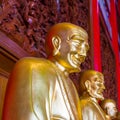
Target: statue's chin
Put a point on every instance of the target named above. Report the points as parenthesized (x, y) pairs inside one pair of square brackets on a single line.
[(100, 97)]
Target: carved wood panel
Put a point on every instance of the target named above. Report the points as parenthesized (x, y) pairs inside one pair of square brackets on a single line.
[(27, 21), (108, 65)]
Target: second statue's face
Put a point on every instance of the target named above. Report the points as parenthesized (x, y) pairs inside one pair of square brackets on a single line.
[(73, 51), (97, 86)]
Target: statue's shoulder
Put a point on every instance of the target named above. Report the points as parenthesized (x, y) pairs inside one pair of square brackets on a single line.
[(33, 61), (40, 64)]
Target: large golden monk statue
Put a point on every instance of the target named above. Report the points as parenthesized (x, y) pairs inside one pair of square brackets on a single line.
[(91, 88), (40, 89)]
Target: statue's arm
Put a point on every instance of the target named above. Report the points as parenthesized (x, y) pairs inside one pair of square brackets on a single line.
[(29, 91)]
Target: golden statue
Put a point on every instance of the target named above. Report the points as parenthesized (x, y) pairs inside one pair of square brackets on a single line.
[(40, 89), (110, 108), (91, 88)]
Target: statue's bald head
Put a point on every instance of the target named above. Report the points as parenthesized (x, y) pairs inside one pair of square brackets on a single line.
[(106, 103), (110, 108), (62, 31), (87, 76)]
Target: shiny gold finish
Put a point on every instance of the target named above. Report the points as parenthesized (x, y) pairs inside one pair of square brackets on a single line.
[(91, 86), (69, 45), (110, 108), (40, 89)]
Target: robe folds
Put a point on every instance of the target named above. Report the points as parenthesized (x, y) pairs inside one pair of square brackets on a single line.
[(91, 110), (38, 90)]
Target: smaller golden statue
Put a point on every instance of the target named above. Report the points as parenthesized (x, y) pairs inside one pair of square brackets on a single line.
[(40, 89), (110, 108), (91, 88)]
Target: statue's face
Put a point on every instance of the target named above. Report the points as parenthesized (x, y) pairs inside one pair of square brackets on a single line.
[(73, 51), (111, 109), (78, 50), (97, 87)]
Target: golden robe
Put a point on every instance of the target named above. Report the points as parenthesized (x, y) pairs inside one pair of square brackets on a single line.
[(38, 90), (91, 110)]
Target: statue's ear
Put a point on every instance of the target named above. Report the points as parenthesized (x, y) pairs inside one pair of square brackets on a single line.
[(87, 85), (56, 41)]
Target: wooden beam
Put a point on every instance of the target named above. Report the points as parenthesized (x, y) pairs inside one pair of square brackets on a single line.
[(9, 46)]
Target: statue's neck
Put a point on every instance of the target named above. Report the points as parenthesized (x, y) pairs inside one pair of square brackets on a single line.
[(66, 69), (86, 94), (63, 69), (94, 99), (60, 67)]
